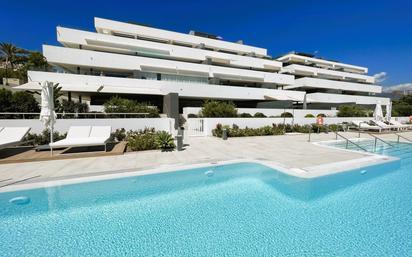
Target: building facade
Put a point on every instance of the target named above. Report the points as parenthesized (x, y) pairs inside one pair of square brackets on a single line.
[(169, 68)]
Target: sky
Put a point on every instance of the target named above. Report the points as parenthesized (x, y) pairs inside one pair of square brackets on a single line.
[(375, 34)]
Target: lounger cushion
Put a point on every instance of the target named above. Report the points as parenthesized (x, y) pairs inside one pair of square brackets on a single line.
[(101, 131), (79, 142), (12, 134), (78, 132)]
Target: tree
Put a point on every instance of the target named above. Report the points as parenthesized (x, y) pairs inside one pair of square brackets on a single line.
[(56, 94), (29, 60), (35, 60), (10, 54), (403, 106), (351, 111), (17, 102), (23, 101), (5, 100)]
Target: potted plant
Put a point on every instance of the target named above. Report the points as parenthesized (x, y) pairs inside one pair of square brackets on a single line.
[(165, 141)]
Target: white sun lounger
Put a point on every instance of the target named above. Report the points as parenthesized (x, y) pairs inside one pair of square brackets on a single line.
[(11, 136), (85, 136), (364, 125), (400, 125), (384, 125)]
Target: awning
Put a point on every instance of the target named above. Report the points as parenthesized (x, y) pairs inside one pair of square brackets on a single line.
[(29, 86)]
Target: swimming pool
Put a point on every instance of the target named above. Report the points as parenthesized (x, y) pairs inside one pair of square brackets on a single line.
[(243, 209)]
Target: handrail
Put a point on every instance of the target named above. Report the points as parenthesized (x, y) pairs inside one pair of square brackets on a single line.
[(407, 139), (360, 127), (350, 141), (380, 139)]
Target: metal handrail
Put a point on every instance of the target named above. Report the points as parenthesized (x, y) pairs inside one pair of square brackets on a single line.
[(400, 136), (380, 139), (349, 141)]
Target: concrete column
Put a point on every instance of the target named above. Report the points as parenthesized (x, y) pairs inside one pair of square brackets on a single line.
[(171, 107), (305, 105)]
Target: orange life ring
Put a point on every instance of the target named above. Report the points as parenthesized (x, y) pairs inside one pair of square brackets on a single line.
[(410, 118), (319, 120)]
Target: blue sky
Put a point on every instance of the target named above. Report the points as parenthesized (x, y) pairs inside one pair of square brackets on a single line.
[(376, 34)]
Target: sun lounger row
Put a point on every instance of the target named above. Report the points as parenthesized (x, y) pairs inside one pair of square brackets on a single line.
[(380, 125)]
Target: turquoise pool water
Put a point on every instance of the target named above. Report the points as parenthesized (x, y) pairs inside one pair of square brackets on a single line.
[(243, 209)]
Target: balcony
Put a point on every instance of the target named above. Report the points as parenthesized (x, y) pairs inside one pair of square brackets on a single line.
[(102, 84), (303, 70), (336, 85), (308, 60), (79, 57)]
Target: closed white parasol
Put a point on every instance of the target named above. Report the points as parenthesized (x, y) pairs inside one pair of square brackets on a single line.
[(377, 113), (47, 114), (389, 111)]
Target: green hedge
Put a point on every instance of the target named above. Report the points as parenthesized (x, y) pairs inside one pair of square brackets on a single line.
[(122, 105), (275, 129)]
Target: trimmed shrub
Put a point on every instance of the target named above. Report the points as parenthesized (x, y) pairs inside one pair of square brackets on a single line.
[(309, 115), (275, 129), (245, 115), (259, 115), (235, 131), (148, 139), (321, 115), (119, 135), (121, 105), (215, 109), (286, 115), (141, 141)]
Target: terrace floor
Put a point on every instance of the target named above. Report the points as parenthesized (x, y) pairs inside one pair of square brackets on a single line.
[(291, 151)]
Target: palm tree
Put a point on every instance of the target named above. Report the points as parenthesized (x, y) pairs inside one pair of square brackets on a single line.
[(12, 55)]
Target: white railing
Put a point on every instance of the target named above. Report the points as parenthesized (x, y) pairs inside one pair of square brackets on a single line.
[(62, 125), (63, 115)]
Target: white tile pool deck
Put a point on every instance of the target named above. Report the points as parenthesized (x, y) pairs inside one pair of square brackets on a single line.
[(292, 152)]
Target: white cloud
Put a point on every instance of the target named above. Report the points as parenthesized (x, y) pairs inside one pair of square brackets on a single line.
[(400, 87), (381, 76)]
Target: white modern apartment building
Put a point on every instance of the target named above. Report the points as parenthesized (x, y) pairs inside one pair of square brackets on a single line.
[(174, 70)]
